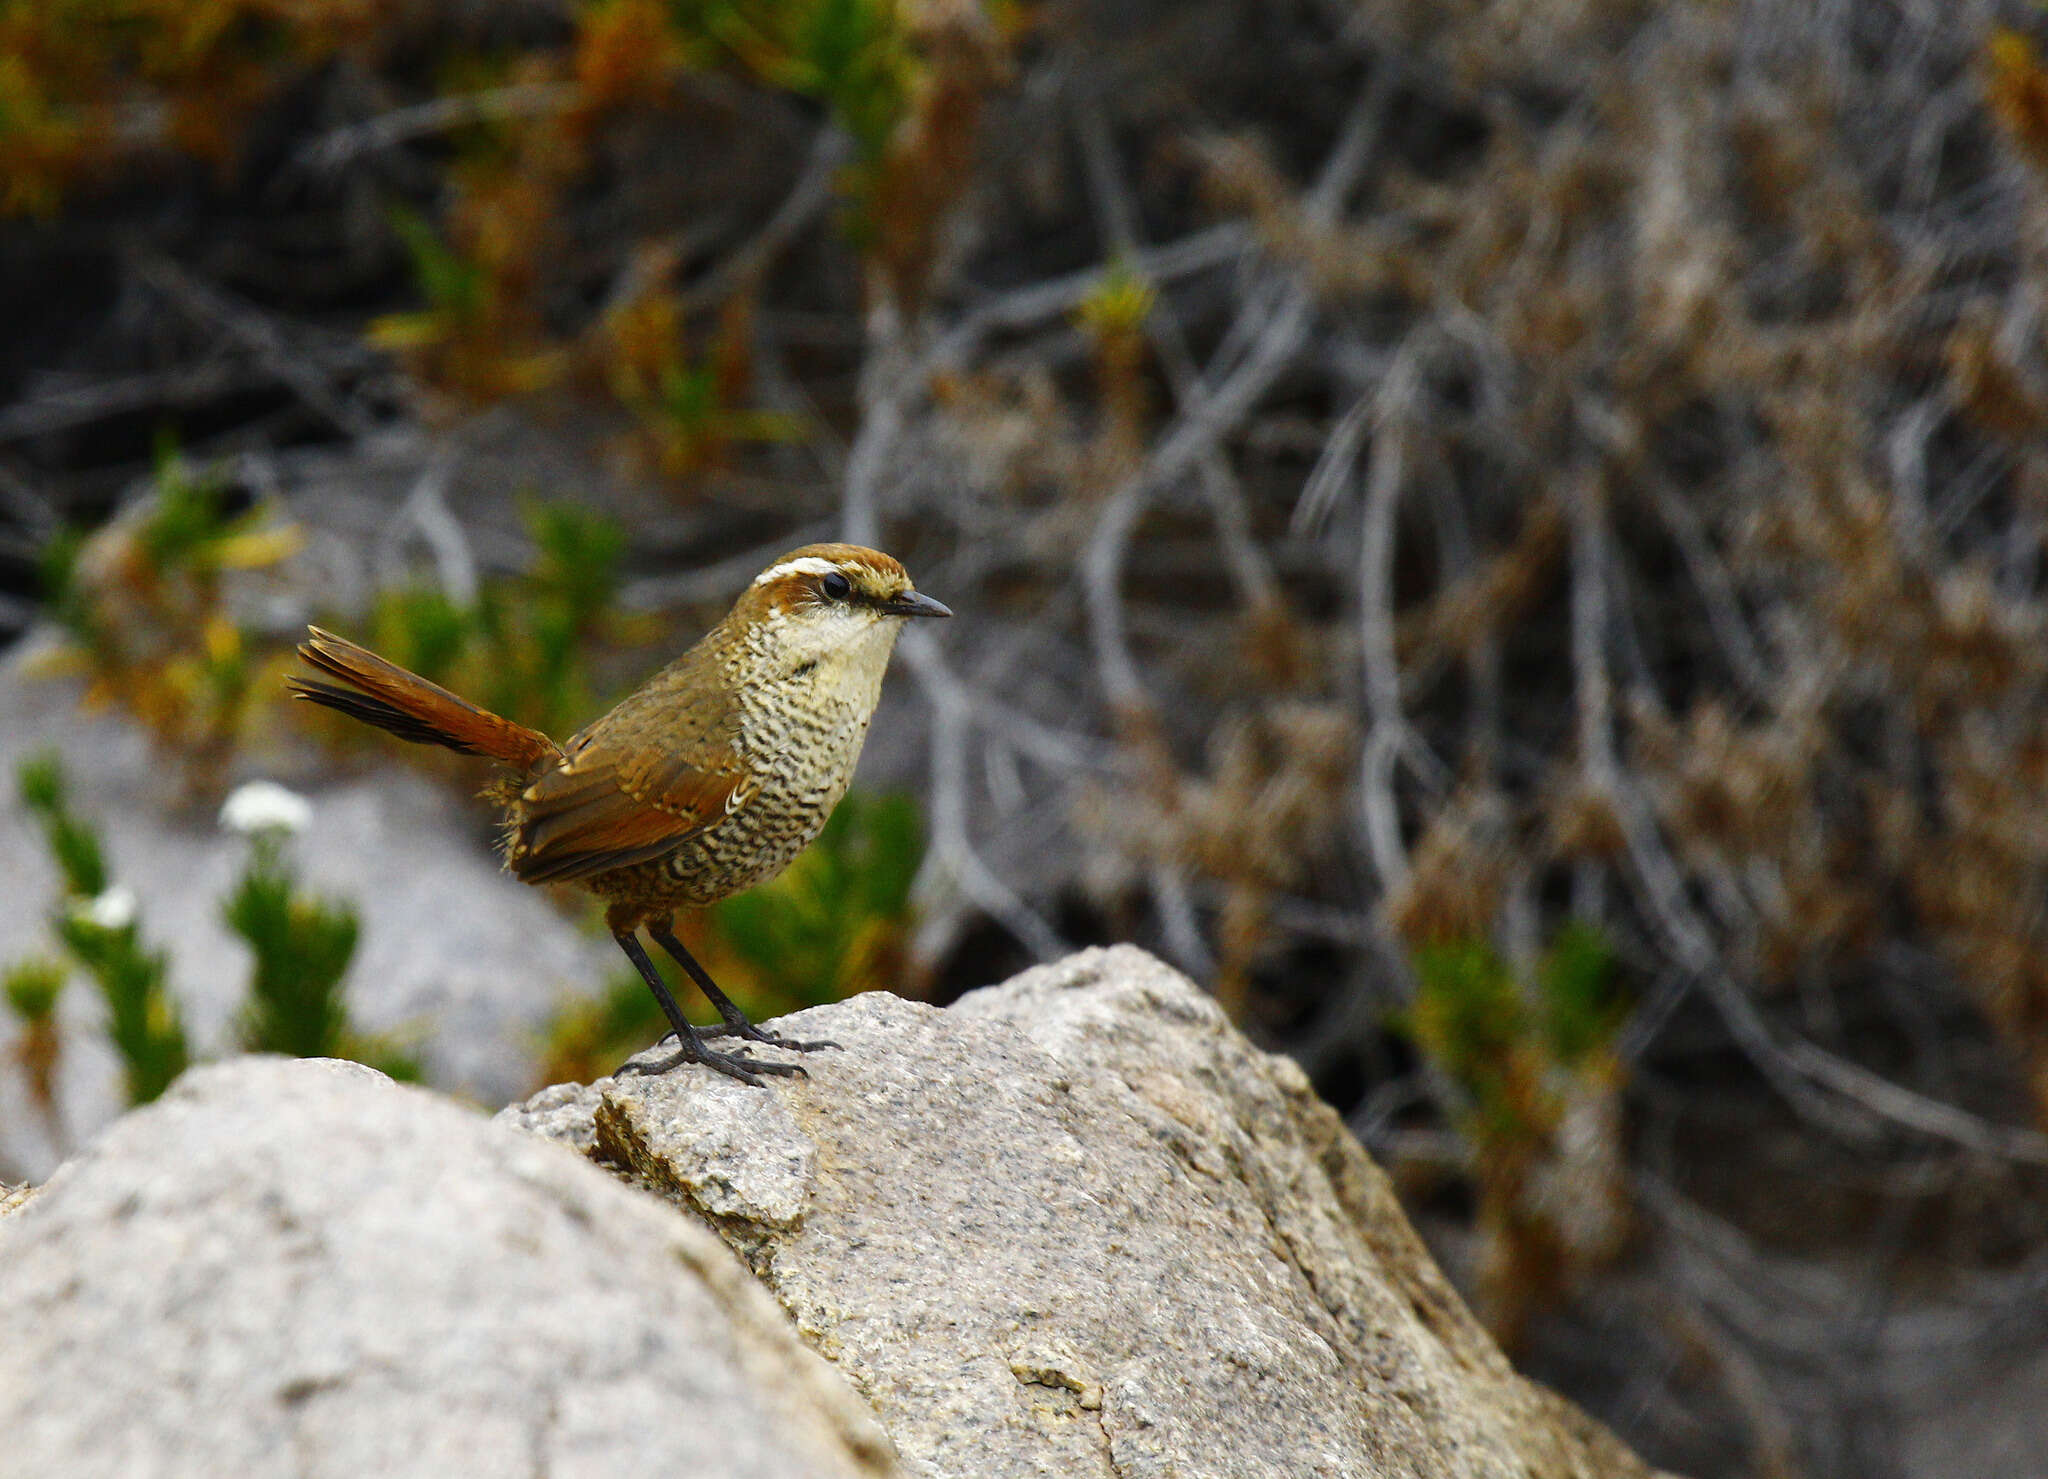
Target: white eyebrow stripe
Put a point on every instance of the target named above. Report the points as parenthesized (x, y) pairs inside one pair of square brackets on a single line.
[(808, 565)]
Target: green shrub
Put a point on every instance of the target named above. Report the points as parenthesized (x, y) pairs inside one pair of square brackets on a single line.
[(302, 947), (142, 1017), (96, 920)]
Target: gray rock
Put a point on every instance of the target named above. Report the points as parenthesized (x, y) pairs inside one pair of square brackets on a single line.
[(1077, 1225), (300, 1268)]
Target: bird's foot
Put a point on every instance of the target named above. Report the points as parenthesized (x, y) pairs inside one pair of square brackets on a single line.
[(750, 1033), (733, 1065)]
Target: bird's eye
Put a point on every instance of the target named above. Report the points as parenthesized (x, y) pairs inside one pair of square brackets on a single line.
[(837, 586)]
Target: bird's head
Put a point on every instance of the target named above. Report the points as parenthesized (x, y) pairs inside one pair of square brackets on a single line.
[(829, 610)]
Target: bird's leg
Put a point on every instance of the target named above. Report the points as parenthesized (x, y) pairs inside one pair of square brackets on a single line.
[(736, 1023), (689, 1046)]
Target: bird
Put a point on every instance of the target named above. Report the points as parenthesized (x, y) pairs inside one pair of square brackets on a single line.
[(708, 779)]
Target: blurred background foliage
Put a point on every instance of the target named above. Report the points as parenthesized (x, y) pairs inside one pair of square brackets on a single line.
[(96, 920), (143, 608), (521, 646), (1507, 539)]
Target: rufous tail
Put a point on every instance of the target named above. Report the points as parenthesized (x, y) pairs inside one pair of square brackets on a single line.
[(407, 705)]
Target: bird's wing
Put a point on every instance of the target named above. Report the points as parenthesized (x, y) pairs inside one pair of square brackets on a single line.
[(635, 784)]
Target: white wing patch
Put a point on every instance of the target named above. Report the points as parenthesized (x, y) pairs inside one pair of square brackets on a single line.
[(808, 565)]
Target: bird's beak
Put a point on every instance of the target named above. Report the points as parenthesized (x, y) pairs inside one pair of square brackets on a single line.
[(912, 603)]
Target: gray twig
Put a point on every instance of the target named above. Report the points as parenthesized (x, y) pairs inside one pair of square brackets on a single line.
[(342, 146)]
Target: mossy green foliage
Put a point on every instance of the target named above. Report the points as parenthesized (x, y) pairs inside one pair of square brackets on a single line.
[(1500, 1040), (1580, 1006), (860, 59), (178, 550), (142, 1016), (85, 82), (66, 67), (92, 88), (1119, 304), (568, 592), (148, 623), (302, 947), (854, 56), (1470, 1018), (32, 987), (457, 290), (189, 527), (189, 540), (74, 845)]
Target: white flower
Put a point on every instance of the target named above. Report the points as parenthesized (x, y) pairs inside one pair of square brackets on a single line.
[(112, 910), (265, 806)]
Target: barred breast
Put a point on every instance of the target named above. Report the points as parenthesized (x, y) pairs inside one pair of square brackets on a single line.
[(804, 739), (804, 758)]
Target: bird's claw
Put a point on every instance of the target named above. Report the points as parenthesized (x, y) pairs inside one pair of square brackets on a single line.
[(733, 1065), (750, 1033)]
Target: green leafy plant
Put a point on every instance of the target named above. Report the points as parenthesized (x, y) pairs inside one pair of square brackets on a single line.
[(302, 950), (474, 335), (456, 290), (905, 82), (142, 1017), (74, 845), (302, 947), (1500, 1039), (1530, 1068), (96, 920), (1472, 1020), (854, 56), (32, 988), (1581, 1010), (684, 404), (87, 84), (543, 625)]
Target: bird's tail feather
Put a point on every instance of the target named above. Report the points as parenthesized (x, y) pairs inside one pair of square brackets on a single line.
[(407, 705)]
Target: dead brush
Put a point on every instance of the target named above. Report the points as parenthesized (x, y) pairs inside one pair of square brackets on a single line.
[(1674, 500), (1255, 823)]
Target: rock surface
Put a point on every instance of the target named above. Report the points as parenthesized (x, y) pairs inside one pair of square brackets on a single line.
[(300, 1268), (1076, 1225)]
